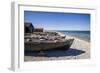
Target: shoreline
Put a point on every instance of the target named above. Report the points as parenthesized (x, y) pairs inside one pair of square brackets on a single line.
[(77, 46), (69, 36), (81, 45), (78, 43)]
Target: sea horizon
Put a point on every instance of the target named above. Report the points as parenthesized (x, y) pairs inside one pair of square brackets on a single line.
[(80, 34)]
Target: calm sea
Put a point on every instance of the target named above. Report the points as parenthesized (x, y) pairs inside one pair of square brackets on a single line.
[(84, 35)]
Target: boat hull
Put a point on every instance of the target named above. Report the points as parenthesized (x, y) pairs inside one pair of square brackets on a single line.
[(40, 46)]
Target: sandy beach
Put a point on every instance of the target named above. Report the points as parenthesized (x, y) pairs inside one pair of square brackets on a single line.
[(80, 49)]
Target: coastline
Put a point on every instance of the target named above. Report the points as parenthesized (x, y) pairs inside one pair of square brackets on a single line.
[(81, 36), (80, 49), (80, 45)]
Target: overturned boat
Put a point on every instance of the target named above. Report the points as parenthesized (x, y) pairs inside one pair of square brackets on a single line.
[(36, 39)]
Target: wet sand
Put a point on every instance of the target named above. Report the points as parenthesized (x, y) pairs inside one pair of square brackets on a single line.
[(80, 49)]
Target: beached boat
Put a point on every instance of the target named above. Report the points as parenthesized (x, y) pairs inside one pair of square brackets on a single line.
[(39, 41)]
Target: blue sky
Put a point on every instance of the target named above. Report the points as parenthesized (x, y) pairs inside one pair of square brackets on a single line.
[(58, 21)]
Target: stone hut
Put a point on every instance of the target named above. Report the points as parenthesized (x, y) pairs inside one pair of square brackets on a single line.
[(28, 27)]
